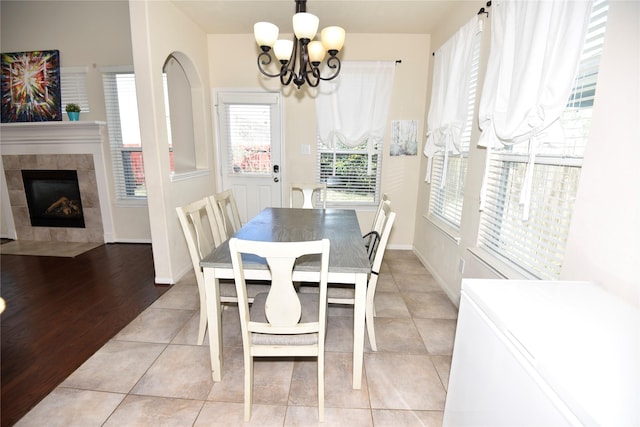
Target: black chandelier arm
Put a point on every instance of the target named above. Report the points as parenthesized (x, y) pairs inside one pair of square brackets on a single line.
[(265, 59), (286, 75), (316, 77), (334, 63)]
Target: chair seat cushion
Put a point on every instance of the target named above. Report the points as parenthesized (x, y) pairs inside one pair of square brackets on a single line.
[(334, 290), (310, 307)]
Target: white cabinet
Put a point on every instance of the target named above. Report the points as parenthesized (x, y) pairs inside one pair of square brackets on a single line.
[(536, 353)]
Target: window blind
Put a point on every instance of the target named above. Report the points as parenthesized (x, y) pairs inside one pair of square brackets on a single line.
[(249, 137), (346, 172), (535, 246), (124, 135)]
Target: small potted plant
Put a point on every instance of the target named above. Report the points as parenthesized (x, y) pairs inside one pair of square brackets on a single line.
[(73, 111)]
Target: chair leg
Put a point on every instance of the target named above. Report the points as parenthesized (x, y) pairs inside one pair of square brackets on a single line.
[(248, 387), (202, 328), (321, 386), (371, 329)]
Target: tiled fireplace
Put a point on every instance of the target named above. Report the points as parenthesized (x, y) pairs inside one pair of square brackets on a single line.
[(73, 147)]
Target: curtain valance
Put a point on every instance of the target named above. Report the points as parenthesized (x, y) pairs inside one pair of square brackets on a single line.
[(353, 108)]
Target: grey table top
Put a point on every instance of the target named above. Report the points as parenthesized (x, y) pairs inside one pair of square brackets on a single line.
[(340, 226)]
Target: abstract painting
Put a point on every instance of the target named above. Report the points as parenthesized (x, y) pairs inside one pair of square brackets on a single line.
[(404, 138), (31, 86)]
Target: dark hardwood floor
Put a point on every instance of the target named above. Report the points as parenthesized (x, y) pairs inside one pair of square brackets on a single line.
[(62, 310)]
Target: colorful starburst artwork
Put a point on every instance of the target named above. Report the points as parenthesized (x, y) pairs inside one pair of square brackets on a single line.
[(31, 86)]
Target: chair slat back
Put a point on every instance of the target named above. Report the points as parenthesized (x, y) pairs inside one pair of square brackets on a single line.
[(200, 228), (229, 210), (282, 308), (372, 238), (377, 219), (389, 218), (308, 191)]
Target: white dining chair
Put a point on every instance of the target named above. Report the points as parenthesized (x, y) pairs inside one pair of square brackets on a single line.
[(309, 194), (199, 222), (203, 229), (342, 294), (282, 322), (229, 209)]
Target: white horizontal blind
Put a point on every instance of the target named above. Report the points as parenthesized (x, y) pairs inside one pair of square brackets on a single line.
[(73, 87), (447, 197), (346, 172), (536, 246), (124, 135), (247, 134)]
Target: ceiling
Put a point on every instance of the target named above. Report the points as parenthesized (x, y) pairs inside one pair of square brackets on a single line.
[(359, 16)]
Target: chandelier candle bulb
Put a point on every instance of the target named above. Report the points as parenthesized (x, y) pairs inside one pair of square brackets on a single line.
[(265, 33), (282, 49), (316, 52), (333, 39), (305, 25)]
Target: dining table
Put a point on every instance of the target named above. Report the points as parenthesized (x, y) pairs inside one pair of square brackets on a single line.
[(348, 264)]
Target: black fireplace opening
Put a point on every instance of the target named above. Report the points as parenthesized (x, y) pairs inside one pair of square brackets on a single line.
[(53, 198)]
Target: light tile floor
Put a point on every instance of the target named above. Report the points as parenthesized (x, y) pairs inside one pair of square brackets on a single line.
[(152, 373)]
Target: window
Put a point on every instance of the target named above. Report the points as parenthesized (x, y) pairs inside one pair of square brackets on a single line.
[(73, 87), (249, 137), (535, 245), (352, 115), (124, 134), (352, 176), (447, 197)]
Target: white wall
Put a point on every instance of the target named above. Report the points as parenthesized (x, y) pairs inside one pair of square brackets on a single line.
[(603, 241), (158, 29), (399, 174), (88, 34)]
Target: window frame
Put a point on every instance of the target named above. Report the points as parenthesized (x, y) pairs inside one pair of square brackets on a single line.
[(533, 247)]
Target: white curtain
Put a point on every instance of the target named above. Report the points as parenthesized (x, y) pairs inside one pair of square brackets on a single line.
[(535, 53), (450, 94), (353, 108)]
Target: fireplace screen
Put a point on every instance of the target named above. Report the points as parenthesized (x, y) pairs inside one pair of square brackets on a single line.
[(53, 198)]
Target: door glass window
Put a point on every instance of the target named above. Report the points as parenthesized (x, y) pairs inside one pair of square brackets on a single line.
[(248, 138)]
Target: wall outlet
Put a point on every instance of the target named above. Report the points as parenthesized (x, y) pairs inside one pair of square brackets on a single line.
[(305, 149), (461, 266)]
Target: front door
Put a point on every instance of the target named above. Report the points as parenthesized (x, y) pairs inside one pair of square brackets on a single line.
[(250, 141)]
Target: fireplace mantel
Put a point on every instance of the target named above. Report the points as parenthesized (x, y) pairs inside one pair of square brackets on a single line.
[(51, 133), (47, 139)]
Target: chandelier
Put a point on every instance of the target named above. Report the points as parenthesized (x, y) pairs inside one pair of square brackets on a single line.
[(303, 52)]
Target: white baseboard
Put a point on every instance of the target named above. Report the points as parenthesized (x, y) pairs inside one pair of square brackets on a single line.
[(132, 241), (455, 299), (400, 247)]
